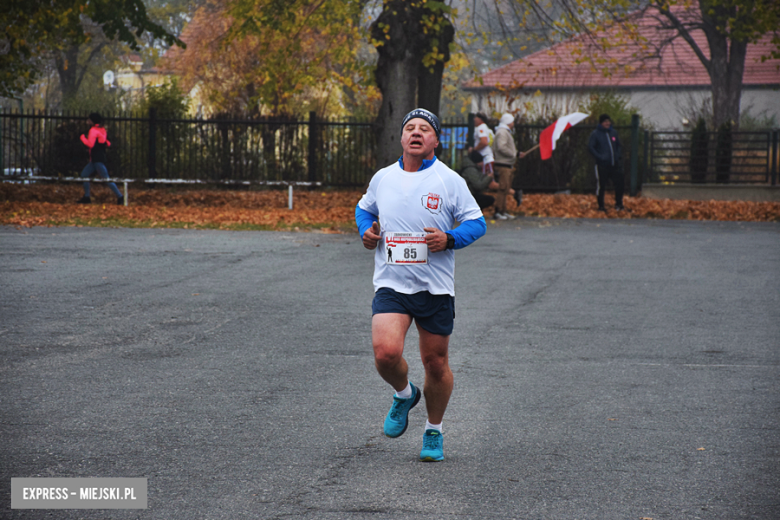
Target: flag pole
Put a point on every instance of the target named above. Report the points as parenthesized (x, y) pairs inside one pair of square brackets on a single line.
[(530, 150)]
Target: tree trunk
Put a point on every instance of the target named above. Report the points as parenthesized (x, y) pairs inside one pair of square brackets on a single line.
[(430, 78), (397, 79), (396, 75), (402, 41), (68, 70), (726, 68)]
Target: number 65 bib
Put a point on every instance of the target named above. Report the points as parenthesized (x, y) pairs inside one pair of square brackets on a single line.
[(405, 248)]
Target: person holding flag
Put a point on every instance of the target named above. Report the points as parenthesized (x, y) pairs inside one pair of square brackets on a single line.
[(505, 155)]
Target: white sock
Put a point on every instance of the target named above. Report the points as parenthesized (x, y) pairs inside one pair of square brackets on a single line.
[(406, 393), (429, 426)]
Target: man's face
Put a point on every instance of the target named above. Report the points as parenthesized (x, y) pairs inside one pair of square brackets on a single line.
[(419, 138), (478, 121), (606, 124)]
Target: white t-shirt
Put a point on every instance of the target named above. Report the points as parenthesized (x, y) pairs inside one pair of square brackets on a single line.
[(481, 131), (408, 202)]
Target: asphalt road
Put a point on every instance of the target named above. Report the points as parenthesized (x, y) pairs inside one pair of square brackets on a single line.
[(603, 370)]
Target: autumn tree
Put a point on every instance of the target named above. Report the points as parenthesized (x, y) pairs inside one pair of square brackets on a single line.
[(729, 26), (274, 58), (307, 44), (36, 30)]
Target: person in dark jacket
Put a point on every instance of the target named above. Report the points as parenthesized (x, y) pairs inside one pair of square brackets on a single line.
[(605, 147), (477, 181), (97, 142)]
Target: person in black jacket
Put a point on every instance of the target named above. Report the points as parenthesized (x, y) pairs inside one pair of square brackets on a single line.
[(605, 147)]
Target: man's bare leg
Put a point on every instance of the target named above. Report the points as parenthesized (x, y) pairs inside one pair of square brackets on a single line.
[(434, 351), (388, 332)]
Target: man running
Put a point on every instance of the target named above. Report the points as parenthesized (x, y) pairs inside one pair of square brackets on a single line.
[(417, 200)]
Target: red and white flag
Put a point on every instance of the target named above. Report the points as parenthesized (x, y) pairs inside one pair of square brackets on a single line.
[(551, 134)]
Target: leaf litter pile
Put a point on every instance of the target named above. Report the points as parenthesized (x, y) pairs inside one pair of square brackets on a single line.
[(323, 210)]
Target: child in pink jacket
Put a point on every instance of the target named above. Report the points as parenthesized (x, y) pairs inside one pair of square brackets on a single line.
[(97, 141)]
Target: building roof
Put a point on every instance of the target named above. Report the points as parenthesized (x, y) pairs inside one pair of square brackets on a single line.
[(625, 65)]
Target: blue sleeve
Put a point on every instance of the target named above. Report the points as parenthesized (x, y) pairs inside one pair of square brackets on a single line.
[(366, 219), (467, 233)]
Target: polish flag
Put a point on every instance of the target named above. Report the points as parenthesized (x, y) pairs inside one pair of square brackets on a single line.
[(551, 134)]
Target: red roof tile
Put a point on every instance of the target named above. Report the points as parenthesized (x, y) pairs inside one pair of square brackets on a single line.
[(557, 67)]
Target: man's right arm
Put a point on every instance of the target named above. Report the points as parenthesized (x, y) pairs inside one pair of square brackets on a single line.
[(364, 219), (368, 227)]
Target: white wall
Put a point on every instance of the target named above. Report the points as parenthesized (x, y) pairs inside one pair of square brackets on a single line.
[(666, 109)]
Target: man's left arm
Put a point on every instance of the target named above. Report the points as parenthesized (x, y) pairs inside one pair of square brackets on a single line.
[(467, 212), (468, 232), (464, 210)]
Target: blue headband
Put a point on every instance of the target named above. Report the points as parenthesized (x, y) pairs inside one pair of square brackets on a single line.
[(421, 113)]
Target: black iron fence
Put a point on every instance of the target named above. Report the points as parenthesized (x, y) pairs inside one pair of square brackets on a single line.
[(332, 153), (341, 153), (713, 157), (666, 157)]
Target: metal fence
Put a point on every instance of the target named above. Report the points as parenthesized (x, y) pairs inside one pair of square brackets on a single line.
[(342, 153), (332, 153), (666, 157), (735, 157)]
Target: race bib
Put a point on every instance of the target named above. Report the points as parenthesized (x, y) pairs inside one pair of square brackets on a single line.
[(405, 248)]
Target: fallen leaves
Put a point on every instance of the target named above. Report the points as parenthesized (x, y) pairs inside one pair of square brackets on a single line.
[(584, 206), (27, 206), (331, 211)]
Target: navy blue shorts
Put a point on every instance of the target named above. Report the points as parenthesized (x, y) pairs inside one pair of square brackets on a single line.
[(433, 312)]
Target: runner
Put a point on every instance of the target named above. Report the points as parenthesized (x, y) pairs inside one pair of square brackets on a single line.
[(416, 200), (97, 142)]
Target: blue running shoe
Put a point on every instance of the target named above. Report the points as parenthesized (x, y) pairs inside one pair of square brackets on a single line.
[(433, 446), (398, 417)]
